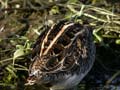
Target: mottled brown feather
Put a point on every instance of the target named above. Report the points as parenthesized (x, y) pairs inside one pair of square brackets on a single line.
[(66, 48)]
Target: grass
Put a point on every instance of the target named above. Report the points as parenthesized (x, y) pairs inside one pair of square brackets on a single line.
[(21, 22)]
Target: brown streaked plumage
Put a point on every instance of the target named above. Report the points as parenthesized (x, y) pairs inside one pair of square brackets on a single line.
[(62, 56)]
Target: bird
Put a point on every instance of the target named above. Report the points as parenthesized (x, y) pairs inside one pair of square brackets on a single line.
[(62, 56)]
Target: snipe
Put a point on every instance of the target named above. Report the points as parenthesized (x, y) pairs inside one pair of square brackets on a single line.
[(62, 56)]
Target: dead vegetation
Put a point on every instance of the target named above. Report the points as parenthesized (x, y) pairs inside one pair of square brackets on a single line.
[(21, 22)]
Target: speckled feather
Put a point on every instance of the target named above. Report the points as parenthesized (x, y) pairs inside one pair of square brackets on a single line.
[(64, 52)]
